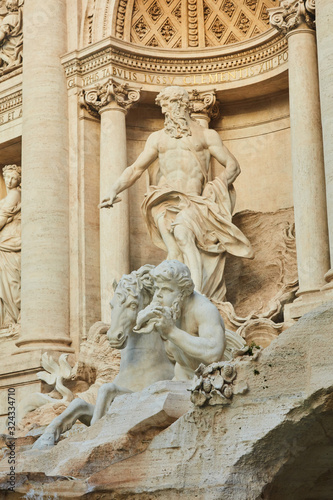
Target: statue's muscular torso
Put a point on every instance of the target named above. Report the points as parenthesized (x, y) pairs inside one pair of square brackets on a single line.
[(179, 167)]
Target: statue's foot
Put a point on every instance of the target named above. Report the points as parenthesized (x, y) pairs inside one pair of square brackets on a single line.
[(45, 441)]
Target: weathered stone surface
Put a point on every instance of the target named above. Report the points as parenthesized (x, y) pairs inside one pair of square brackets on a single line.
[(273, 442)]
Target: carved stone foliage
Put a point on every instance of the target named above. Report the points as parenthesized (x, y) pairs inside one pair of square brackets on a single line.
[(214, 384), (291, 14), (102, 95), (159, 24), (11, 35)]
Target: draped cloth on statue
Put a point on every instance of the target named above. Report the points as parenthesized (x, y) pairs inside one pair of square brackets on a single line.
[(209, 217), (10, 266)]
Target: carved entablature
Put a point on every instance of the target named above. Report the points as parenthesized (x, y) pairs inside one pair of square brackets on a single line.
[(205, 69), (292, 14), (101, 95), (11, 36), (203, 103)]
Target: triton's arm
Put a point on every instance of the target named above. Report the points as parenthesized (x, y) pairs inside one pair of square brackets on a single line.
[(207, 345), (132, 173), (222, 155)]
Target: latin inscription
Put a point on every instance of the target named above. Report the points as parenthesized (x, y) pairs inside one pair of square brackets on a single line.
[(188, 80), (9, 116)]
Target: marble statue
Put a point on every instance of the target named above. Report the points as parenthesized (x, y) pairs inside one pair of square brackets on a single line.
[(187, 215), (189, 323), (143, 359), (11, 35), (10, 248)]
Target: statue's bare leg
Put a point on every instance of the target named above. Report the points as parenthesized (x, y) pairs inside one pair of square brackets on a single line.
[(76, 410), (105, 396), (169, 240), (186, 241)]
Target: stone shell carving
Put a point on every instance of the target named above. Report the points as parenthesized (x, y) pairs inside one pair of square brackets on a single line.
[(213, 384), (54, 375)]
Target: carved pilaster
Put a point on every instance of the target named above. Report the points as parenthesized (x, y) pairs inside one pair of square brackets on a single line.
[(110, 94), (292, 14), (203, 105)]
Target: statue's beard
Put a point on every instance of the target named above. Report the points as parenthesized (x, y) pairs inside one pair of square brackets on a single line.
[(176, 125), (176, 307)]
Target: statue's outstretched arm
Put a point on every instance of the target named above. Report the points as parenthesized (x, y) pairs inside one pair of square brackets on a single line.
[(132, 173), (222, 154)]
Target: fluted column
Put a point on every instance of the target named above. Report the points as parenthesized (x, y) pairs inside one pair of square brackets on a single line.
[(295, 18), (324, 27), (45, 213), (111, 101)]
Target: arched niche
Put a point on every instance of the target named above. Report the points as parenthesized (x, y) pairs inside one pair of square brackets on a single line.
[(175, 24)]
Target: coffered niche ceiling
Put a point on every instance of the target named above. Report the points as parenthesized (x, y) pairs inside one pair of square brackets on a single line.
[(176, 24)]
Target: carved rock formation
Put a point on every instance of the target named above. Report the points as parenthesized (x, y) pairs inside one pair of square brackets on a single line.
[(273, 442)]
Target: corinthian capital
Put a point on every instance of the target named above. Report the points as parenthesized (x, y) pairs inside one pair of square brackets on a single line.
[(203, 103), (106, 94), (291, 14)]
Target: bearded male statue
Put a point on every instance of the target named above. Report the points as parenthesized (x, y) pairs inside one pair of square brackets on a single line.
[(187, 215)]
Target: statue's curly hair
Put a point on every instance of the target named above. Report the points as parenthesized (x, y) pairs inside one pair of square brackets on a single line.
[(175, 92), (12, 168), (170, 270)]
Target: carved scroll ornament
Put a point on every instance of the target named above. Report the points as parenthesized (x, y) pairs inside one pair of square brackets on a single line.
[(102, 95), (291, 14), (203, 103)]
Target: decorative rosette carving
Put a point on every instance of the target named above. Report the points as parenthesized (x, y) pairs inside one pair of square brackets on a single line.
[(204, 103), (101, 95), (291, 14), (214, 384)]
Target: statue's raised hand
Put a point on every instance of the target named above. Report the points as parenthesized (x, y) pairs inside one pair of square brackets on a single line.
[(109, 200)]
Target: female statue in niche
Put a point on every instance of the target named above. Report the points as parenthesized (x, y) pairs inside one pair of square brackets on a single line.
[(10, 247)]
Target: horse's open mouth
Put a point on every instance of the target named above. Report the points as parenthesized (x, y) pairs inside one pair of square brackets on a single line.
[(119, 345)]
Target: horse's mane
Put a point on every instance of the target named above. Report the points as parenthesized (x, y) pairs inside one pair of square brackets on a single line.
[(135, 283)]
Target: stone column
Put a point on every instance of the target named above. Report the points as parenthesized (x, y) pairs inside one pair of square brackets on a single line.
[(45, 201), (203, 106), (111, 101), (324, 26), (296, 20)]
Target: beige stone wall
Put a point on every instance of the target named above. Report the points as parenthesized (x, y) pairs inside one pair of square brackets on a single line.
[(256, 132)]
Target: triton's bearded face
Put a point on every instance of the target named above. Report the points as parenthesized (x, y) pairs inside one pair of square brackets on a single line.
[(176, 123), (174, 102)]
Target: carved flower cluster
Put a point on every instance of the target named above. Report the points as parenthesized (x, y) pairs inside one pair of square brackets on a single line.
[(213, 384)]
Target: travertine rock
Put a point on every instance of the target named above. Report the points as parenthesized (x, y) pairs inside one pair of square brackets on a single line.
[(258, 289), (273, 442)]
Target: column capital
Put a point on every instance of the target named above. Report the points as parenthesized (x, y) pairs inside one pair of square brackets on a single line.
[(293, 14), (203, 104), (109, 94)]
